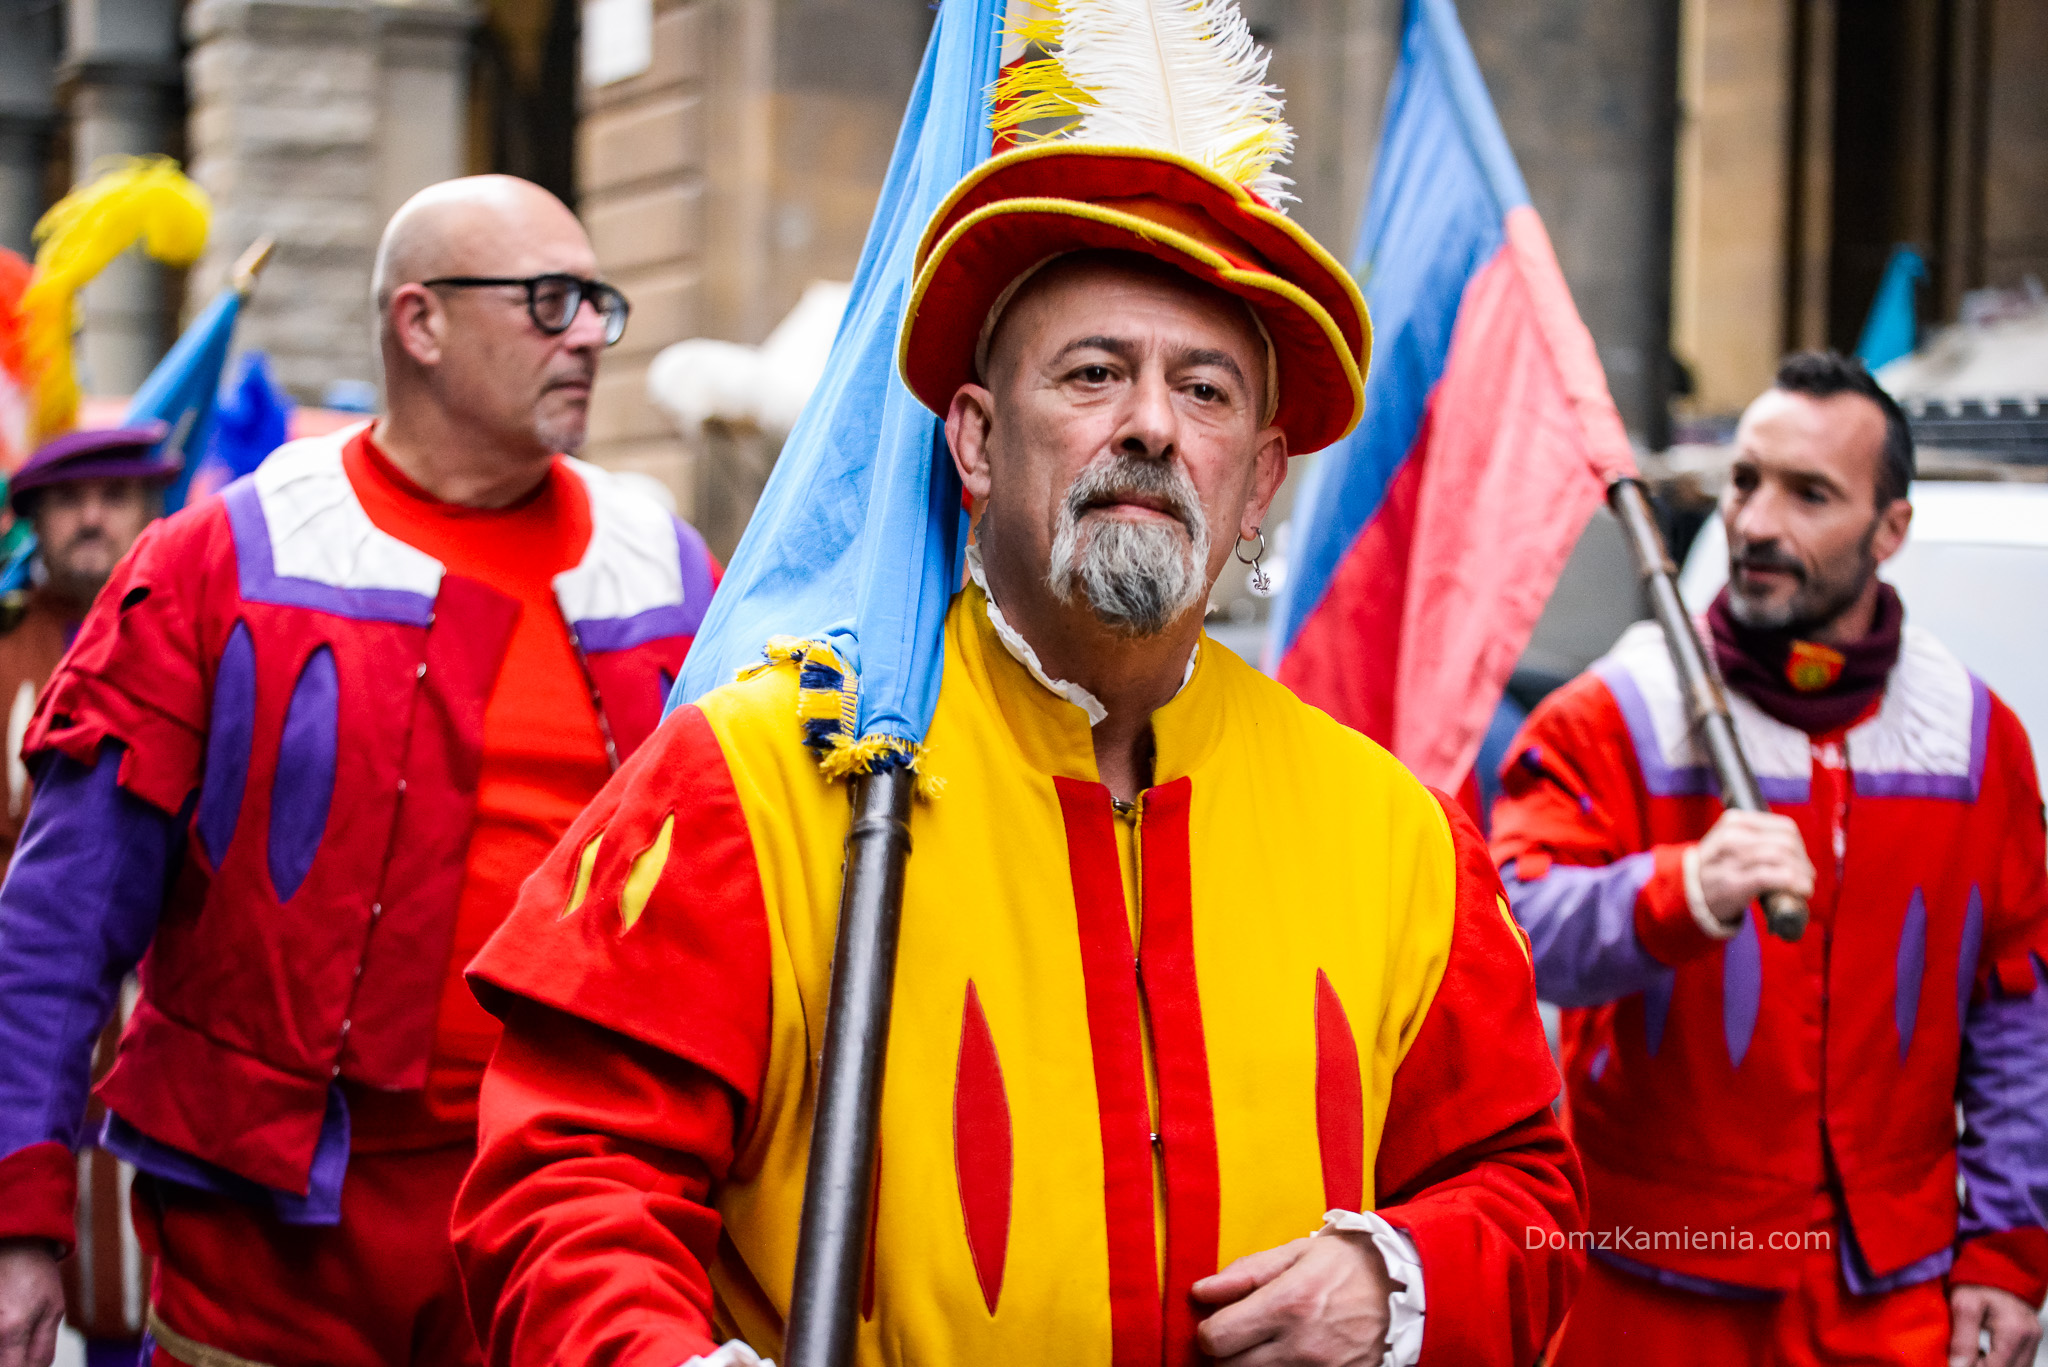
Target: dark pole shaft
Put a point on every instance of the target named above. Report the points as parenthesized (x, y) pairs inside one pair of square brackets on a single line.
[(832, 1239), (1784, 912)]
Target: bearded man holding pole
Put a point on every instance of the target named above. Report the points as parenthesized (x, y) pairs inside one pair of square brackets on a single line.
[(1768, 1121), (1188, 972)]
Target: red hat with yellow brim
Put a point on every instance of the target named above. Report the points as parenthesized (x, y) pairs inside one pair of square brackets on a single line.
[(1020, 210)]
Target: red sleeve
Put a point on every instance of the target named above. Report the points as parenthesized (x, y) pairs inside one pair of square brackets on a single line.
[(41, 1182), (636, 1011), (2014, 1260), (1571, 794), (2016, 922), (584, 1229), (581, 941), (1473, 1165), (139, 671)]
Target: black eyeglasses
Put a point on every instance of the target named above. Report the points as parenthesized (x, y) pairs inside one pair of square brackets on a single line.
[(553, 300)]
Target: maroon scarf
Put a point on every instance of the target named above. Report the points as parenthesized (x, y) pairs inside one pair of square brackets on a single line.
[(1814, 687)]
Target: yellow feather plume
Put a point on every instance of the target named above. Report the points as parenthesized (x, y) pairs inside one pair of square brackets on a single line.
[(147, 200)]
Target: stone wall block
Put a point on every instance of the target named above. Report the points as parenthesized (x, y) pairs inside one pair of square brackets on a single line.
[(676, 58), (665, 309), (661, 137), (619, 410), (647, 228), (668, 460)]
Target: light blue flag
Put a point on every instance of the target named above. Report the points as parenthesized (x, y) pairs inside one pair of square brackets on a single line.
[(854, 550), (185, 385)]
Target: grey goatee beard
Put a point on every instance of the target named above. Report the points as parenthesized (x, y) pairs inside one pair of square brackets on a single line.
[(1136, 577)]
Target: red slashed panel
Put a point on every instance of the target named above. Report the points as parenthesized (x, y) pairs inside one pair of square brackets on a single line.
[(981, 1149), (1110, 976), (1187, 1118), (1340, 1102)]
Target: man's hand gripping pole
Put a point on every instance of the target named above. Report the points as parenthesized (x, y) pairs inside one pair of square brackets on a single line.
[(1784, 912)]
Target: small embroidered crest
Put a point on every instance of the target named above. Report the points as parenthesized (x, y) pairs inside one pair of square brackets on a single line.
[(1810, 668)]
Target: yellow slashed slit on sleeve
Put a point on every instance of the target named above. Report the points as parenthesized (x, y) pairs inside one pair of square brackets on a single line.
[(643, 873), (586, 864), (1515, 929)]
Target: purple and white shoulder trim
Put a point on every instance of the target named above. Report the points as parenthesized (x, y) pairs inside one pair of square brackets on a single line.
[(1927, 739), (1929, 734), (645, 576), (302, 539), (1639, 673)]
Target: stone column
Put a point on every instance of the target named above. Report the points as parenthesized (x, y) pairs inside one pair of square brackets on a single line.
[(641, 177), (311, 120), (29, 36), (423, 100), (1588, 93), (121, 69)]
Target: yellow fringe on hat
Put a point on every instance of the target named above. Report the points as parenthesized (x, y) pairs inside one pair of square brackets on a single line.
[(145, 199)]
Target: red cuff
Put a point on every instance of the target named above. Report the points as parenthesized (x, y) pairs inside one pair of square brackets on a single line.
[(1499, 1244), (1664, 921), (2014, 1260), (41, 1182)]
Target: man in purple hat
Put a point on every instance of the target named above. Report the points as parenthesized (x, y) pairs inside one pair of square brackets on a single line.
[(88, 495)]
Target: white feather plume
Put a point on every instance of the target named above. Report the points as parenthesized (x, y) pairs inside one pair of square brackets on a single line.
[(1180, 75)]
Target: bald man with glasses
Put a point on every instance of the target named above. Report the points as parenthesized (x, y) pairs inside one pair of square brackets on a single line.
[(310, 741)]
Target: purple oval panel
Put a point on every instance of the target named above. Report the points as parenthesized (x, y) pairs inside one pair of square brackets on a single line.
[(1742, 984), (1966, 957), (303, 789), (229, 733), (1912, 970), (1656, 1008)]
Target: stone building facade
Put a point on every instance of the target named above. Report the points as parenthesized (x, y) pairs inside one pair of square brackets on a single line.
[(1720, 177), (1818, 134)]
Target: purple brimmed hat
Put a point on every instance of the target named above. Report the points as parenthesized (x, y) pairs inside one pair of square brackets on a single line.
[(102, 453)]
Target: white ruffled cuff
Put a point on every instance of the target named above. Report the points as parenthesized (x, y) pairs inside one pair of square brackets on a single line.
[(732, 1353), (1404, 1268), (1696, 900)]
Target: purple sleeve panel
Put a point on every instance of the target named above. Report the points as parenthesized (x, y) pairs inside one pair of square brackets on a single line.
[(78, 909), (1582, 930), (2002, 1085)]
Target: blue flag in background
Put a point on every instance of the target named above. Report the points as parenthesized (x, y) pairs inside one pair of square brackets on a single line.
[(1893, 328), (855, 547), (182, 389), (253, 419)]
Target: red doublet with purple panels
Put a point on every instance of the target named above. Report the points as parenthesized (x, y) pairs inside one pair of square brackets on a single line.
[(308, 692), (1716, 1087)]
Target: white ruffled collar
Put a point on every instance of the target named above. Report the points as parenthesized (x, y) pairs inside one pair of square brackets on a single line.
[(1020, 650)]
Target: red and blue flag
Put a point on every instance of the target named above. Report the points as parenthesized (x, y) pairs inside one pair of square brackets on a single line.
[(1425, 544)]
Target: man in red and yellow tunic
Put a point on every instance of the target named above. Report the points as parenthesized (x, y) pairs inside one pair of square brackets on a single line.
[(1770, 1129), (1188, 971)]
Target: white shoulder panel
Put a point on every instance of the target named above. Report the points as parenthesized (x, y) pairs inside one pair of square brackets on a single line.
[(319, 531), (1639, 673), (634, 562), (1927, 738)]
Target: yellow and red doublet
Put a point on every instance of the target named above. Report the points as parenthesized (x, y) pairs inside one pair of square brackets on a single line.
[(1125, 1050)]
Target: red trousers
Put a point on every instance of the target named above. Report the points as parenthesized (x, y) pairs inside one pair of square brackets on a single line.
[(234, 1286), (1621, 1320)]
